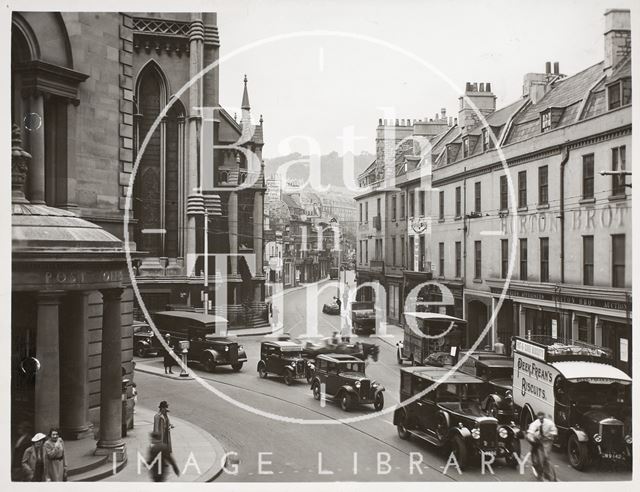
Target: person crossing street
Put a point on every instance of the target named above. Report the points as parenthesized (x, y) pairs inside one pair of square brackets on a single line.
[(541, 434)]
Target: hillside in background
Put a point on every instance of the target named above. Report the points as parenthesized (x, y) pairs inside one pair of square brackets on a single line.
[(331, 167)]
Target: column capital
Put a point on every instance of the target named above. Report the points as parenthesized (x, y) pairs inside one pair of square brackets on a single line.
[(113, 294), (50, 296)]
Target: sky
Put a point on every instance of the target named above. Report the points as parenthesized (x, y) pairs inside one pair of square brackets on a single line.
[(340, 64)]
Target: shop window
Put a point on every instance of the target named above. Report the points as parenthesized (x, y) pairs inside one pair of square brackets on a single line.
[(402, 206), (477, 248), (478, 197), (523, 259), (441, 205), (618, 164), (585, 329), (412, 204), (543, 185), (587, 176), (618, 260), (504, 257), (393, 208), (522, 189), (544, 259), (504, 193), (587, 260)]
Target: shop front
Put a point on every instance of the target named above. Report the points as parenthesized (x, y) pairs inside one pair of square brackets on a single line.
[(593, 315)]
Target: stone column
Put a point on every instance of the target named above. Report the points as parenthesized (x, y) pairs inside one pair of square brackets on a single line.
[(258, 243), (74, 387), (110, 440), (47, 390), (36, 148)]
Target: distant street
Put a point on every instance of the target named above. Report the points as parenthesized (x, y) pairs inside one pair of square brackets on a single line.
[(302, 452)]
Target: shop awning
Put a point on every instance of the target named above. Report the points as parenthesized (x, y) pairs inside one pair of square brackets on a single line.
[(592, 372), (435, 317)]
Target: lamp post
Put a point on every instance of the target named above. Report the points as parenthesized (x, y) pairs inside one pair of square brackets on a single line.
[(207, 205), (337, 225)]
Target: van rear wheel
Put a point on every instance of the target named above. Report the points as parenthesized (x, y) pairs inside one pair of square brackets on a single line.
[(346, 402), (403, 432)]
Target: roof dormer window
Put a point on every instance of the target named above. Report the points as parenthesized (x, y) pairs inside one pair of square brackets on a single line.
[(546, 120), (465, 147), (619, 93)]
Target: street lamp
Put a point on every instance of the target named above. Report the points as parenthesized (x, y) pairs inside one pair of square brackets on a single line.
[(207, 205)]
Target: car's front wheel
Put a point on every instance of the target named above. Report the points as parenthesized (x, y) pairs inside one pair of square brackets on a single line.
[(346, 402), (316, 391), (236, 367), (288, 377), (403, 433), (459, 449), (262, 371), (210, 364), (578, 453), (378, 402), (141, 351)]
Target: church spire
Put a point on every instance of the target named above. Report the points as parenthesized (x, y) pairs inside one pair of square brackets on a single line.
[(245, 96)]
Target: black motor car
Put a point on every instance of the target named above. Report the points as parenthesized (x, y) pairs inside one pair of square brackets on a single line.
[(343, 378), (283, 358), (331, 308), (143, 340), (451, 415), (497, 371), (361, 350), (207, 343)]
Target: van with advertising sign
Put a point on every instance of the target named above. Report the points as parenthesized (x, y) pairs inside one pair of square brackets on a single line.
[(578, 386)]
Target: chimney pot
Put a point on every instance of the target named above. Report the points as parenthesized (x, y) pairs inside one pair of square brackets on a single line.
[(481, 86), (397, 122), (475, 87), (443, 112), (547, 67), (468, 88), (455, 121), (379, 121), (487, 86), (556, 68)]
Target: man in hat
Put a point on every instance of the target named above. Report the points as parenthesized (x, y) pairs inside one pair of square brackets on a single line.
[(541, 434), (159, 451), (162, 425), (169, 361), (56, 467), (33, 460)]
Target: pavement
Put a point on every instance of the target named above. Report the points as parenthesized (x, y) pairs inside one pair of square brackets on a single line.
[(198, 454)]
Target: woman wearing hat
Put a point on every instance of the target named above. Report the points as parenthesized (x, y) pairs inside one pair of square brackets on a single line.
[(56, 467), (162, 425), (33, 460)]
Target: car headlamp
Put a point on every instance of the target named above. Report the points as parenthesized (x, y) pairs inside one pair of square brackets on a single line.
[(226, 349), (357, 384), (597, 437), (503, 433), (240, 347), (508, 395), (628, 439), (475, 433), (375, 384)]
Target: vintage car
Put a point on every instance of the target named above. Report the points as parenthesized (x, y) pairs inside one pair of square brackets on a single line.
[(426, 333), (206, 345), (283, 358), (363, 317), (578, 385), (331, 308), (342, 377), (143, 340), (361, 350), (450, 416), (497, 371)]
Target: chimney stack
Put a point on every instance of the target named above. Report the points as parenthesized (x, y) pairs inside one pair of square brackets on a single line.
[(487, 86), (617, 37), (478, 95), (443, 113)]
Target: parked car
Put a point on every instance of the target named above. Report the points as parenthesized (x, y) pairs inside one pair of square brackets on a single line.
[(451, 415), (206, 344), (143, 340), (342, 377), (439, 359), (331, 308), (283, 358)]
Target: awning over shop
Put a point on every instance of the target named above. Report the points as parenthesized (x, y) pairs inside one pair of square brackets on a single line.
[(592, 372)]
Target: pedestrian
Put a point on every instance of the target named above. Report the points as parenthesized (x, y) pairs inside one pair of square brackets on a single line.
[(162, 425), (33, 460), (22, 442), (160, 451), (499, 347), (541, 434), (169, 361), (56, 463)]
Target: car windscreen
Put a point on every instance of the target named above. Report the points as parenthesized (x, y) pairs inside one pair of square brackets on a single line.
[(352, 367), (584, 393)]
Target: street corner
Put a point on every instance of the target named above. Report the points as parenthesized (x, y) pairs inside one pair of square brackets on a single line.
[(156, 368), (199, 456)]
